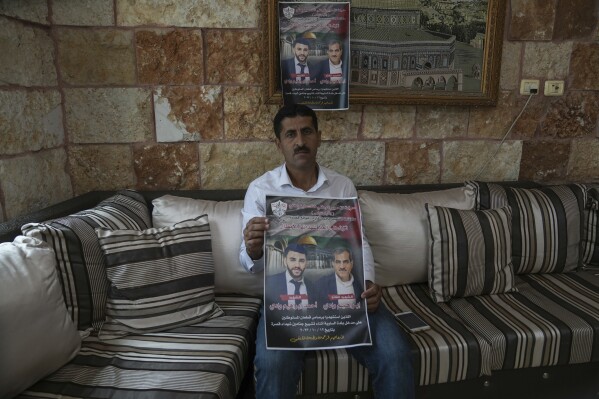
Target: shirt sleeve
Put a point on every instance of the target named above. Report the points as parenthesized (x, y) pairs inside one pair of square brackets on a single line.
[(253, 205)]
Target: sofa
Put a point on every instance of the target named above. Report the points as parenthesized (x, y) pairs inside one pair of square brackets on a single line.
[(505, 274)]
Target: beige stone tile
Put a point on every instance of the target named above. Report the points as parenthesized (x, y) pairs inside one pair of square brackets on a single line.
[(30, 121), (464, 160), (167, 166), (362, 162), (510, 66), (194, 13), (246, 115), (83, 12), (234, 56), (529, 122), (441, 121), (101, 167), (544, 160), (188, 113), (96, 57), (413, 162), (493, 122), (583, 165), (235, 165), (169, 57), (546, 60), (386, 122), (111, 115), (532, 19), (574, 115), (33, 182), (340, 125), (584, 70), (27, 55), (30, 10)]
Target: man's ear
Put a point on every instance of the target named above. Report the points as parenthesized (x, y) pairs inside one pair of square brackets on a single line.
[(278, 143)]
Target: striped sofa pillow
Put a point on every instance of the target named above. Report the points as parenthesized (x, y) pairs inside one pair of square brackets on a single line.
[(546, 224), (160, 279), (590, 238), (80, 260), (471, 252)]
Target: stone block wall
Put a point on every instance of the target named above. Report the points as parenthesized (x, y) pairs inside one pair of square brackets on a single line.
[(106, 94)]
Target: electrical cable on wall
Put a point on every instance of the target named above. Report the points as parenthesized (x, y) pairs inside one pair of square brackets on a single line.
[(504, 137)]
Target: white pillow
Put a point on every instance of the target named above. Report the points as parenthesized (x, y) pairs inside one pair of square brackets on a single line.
[(396, 226), (37, 336), (225, 225)]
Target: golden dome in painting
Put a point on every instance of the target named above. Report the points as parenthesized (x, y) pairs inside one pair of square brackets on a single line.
[(309, 35), (307, 240)]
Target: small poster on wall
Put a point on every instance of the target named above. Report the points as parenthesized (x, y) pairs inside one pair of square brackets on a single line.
[(314, 54), (314, 275)]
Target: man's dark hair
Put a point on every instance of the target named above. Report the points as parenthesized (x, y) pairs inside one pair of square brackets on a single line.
[(295, 248), (301, 40), (291, 111), (340, 250)]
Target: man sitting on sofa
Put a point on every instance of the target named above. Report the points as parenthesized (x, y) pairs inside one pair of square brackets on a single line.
[(277, 371)]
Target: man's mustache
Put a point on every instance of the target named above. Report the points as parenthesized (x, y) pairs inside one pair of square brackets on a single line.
[(302, 148)]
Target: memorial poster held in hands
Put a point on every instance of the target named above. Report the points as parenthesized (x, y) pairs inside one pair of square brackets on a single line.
[(314, 274), (314, 53)]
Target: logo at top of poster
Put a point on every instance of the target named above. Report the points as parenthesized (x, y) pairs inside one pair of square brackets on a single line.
[(288, 12), (278, 208)]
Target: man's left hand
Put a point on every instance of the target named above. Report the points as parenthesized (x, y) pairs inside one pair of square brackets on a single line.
[(372, 295)]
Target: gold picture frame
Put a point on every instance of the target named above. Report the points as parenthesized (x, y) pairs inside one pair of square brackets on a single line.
[(409, 51)]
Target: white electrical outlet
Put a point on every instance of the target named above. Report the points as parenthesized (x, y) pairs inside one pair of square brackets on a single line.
[(529, 85), (554, 88)]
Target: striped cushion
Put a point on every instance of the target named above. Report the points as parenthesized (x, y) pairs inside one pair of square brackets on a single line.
[(471, 252), (80, 259), (332, 371), (546, 224), (590, 238), (449, 351), (159, 278), (207, 360), (225, 225), (552, 320)]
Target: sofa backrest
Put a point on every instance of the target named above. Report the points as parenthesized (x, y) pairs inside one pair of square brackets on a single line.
[(226, 242)]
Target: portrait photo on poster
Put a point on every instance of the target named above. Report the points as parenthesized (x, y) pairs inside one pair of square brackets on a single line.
[(314, 54)]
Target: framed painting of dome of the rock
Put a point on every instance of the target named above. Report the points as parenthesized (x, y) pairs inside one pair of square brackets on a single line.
[(444, 52)]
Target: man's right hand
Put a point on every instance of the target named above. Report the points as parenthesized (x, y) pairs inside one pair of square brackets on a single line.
[(253, 236)]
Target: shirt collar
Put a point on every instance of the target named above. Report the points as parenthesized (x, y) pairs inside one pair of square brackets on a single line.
[(289, 278), (345, 283), (338, 66), (285, 180)]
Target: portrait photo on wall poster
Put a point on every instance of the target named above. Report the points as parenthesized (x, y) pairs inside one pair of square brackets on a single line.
[(314, 49), (314, 274)]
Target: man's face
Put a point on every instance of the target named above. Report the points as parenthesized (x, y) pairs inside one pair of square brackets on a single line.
[(343, 266), (298, 142), (301, 52), (295, 263), (335, 53)]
